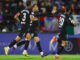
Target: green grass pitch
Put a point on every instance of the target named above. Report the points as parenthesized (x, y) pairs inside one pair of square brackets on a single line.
[(38, 57)]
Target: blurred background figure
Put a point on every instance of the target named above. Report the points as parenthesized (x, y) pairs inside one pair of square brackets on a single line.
[(1, 17), (42, 7)]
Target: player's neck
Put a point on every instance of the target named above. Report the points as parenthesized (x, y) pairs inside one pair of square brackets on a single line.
[(28, 7)]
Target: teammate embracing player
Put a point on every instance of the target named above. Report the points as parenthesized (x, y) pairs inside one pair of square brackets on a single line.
[(33, 32), (64, 21), (28, 21)]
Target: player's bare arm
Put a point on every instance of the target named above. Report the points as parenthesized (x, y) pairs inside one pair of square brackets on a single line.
[(72, 21), (16, 17), (33, 18)]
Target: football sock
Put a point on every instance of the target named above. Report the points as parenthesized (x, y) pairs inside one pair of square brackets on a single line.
[(26, 44), (21, 43), (25, 50), (60, 48), (12, 43), (38, 46), (41, 53)]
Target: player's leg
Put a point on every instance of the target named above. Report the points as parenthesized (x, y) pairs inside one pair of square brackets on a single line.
[(18, 38), (18, 44), (38, 44), (28, 39), (23, 31), (11, 44), (37, 40), (59, 50), (61, 44)]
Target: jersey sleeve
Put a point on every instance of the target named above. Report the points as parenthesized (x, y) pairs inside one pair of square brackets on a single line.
[(18, 14), (69, 21), (35, 14)]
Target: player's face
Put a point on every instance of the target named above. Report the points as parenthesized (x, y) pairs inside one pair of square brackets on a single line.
[(35, 8), (54, 9)]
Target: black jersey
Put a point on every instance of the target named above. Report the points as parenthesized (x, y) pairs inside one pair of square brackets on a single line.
[(35, 24), (63, 23), (24, 16)]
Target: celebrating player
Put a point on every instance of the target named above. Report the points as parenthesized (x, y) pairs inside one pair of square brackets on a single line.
[(62, 35), (33, 32), (24, 21)]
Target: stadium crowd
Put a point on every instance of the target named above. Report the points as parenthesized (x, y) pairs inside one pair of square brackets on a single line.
[(8, 8)]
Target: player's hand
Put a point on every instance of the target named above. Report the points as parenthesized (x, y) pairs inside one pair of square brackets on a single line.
[(73, 22)]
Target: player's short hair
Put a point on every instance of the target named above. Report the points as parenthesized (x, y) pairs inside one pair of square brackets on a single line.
[(28, 3), (34, 5), (68, 8)]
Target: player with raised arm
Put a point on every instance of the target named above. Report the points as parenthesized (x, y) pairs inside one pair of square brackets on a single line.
[(61, 38)]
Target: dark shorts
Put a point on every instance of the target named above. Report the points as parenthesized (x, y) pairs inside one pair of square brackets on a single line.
[(33, 33), (62, 37), (23, 31)]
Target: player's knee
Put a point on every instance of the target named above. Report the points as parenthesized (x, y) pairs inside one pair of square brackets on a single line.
[(64, 43), (36, 39), (18, 38), (28, 37)]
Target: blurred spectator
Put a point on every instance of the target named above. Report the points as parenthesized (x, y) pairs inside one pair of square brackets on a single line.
[(7, 8), (49, 6), (1, 8), (54, 10), (9, 14), (75, 2), (1, 17), (78, 9), (24, 2), (73, 8), (58, 4), (13, 7), (43, 7), (49, 2), (38, 3), (20, 6)]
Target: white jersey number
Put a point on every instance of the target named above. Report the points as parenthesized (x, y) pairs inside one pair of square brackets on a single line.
[(24, 17), (61, 21)]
